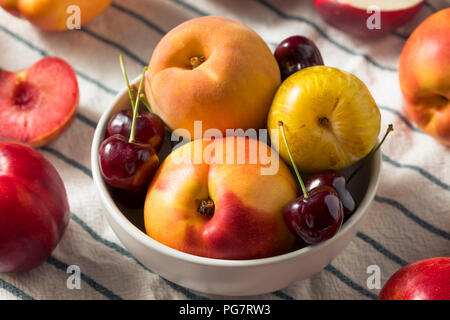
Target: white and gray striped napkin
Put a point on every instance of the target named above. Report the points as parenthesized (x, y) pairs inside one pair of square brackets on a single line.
[(409, 219)]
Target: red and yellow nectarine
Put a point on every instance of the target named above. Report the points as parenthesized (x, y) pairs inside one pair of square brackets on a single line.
[(424, 74), (217, 208)]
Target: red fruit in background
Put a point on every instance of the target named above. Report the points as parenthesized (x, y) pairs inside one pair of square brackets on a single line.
[(424, 76), (351, 16), (34, 210), (37, 104), (427, 279)]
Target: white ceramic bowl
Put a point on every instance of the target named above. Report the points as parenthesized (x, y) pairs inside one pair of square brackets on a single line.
[(227, 277)]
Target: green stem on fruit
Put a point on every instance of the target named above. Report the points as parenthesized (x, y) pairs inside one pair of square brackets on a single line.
[(196, 61), (124, 72), (305, 193), (371, 153), (136, 107), (145, 102)]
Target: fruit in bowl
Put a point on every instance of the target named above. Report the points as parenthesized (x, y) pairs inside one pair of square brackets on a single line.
[(128, 156), (53, 15), (339, 182), (203, 204), (335, 180), (126, 164), (424, 76), (208, 217), (359, 17), (316, 215), (149, 127), (330, 118), (224, 276), (427, 279), (215, 70), (48, 87), (296, 53), (34, 210)]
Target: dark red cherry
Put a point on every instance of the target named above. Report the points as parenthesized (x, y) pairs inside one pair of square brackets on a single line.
[(296, 53), (149, 127), (317, 214), (127, 165), (315, 218), (337, 181)]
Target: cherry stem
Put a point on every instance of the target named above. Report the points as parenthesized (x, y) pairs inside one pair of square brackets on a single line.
[(305, 193), (371, 153), (136, 107), (145, 102), (124, 72)]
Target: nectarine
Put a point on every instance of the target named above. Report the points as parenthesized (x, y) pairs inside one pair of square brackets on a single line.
[(206, 202), (424, 75)]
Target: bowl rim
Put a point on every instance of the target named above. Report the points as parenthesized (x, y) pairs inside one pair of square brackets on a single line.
[(114, 212)]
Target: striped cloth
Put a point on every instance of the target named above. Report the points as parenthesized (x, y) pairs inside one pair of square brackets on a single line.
[(409, 219)]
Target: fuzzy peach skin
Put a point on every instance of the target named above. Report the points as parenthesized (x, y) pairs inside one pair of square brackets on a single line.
[(424, 74), (232, 88), (247, 222), (52, 15)]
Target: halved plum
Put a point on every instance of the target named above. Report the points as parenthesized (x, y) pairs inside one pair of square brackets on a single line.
[(39, 103), (355, 16)]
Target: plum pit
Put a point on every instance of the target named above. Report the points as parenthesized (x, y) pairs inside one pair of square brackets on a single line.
[(24, 96)]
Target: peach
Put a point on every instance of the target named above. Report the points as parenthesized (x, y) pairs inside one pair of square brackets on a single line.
[(205, 202), (424, 75), (52, 15), (215, 70)]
